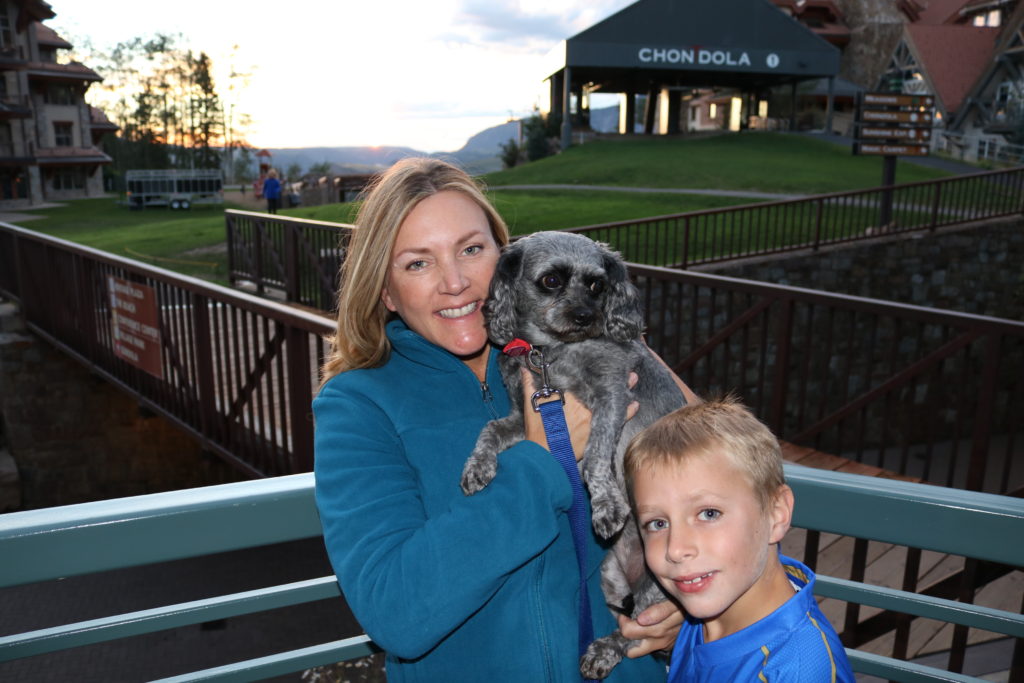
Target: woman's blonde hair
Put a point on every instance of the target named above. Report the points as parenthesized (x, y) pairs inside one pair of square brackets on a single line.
[(712, 427), (359, 341)]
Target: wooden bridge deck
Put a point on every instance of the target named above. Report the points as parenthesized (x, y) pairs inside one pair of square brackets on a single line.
[(885, 566)]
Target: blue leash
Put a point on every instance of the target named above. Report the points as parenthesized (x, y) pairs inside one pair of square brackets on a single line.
[(557, 433), (558, 441)]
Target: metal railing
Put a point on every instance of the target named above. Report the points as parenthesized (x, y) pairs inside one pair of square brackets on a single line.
[(46, 545), (299, 259), (236, 371), (295, 258), (922, 392), (717, 235)]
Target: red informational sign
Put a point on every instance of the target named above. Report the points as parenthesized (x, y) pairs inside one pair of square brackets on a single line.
[(921, 135), (889, 99), (135, 319), (919, 118)]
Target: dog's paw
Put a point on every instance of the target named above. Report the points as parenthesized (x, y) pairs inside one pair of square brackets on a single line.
[(608, 517), (478, 473), (600, 658)]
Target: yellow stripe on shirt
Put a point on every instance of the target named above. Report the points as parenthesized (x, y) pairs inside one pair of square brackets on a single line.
[(828, 649)]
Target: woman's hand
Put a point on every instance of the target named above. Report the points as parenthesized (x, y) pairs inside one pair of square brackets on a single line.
[(577, 416), (656, 628)]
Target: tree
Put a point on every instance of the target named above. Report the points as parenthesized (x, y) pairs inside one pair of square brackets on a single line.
[(294, 172), (164, 99), (321, 169), (510, 153), (541, 134)]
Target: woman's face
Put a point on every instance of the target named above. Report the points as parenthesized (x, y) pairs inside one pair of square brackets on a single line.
[(439, 274)]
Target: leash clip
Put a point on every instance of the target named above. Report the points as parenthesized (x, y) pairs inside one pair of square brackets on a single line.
[(535, 357)]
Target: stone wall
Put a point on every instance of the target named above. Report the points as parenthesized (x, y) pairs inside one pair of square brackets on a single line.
[(976, 270), (73, 437)]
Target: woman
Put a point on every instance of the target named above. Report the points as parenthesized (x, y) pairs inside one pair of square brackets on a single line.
[(452, 587)]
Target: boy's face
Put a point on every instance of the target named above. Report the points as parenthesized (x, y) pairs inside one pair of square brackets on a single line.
[(709, 542)]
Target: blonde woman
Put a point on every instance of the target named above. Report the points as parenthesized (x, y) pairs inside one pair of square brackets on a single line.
[(452, 587)]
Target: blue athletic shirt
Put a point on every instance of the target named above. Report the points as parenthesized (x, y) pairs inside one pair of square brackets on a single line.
[(795, 644)]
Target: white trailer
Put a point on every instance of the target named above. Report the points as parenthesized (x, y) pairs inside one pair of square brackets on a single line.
[(175, 188)]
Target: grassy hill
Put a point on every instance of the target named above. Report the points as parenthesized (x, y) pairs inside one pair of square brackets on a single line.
[(764, 162)]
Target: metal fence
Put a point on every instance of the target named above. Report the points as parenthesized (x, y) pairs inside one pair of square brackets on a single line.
[(918, 391), (294, 258), (299, 259), (236, 371), (716, 235), (48, 545)]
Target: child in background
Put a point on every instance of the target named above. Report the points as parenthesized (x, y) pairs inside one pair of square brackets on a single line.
[(711, 501)]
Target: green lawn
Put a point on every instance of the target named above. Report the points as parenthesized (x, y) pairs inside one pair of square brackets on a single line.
[(192, 242), (765, 162)]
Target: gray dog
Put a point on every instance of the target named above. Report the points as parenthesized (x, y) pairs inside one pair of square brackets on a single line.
[(572, 298)]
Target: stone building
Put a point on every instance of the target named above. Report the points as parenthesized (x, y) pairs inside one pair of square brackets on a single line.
[(48, 134)]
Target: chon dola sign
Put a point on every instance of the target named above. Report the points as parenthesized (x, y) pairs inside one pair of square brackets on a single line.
[(702, 56)]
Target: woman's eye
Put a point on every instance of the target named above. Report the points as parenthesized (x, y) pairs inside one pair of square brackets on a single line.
[(416, 265), (709, 515), (551, 281), (475, 249), (656, 525)]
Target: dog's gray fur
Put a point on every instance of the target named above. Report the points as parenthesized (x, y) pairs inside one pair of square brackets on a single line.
[(572, 297)]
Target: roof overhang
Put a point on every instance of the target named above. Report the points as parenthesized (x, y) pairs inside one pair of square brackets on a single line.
[(697, 43)]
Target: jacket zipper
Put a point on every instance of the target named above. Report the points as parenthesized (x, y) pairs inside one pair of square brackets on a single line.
[(488, 398)]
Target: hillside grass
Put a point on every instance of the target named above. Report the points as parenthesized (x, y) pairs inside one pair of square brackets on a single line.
[(756, 161), (192, 242)]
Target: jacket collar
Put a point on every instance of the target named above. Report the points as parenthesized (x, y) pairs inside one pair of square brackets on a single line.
[(413, 347)]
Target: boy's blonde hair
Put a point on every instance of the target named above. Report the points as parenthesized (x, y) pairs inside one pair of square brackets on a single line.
[(702, 428), (360, 341)]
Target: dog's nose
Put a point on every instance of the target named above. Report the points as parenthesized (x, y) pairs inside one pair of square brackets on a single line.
[(583, 316)]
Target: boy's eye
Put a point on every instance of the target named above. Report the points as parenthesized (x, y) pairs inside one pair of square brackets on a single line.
[(656, 525), (709, 515)]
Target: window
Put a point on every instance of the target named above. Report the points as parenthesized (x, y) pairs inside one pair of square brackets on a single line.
[(712, 111), (13, 184), (6, 40), (69, 179), (6, 143), (60, 94), (63, 133)]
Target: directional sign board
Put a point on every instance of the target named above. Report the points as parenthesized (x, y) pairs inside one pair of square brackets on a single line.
[(894, 124)]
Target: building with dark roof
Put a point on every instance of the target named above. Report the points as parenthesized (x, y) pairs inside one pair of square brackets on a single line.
[(49, 136)]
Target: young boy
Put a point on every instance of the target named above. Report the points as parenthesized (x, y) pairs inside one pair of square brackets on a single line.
[(711, 502)]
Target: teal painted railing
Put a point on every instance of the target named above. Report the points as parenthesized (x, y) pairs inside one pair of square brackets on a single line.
[(39, 545)]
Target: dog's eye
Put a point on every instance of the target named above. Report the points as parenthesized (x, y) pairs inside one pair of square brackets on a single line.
[(551, 281), (597, 286)]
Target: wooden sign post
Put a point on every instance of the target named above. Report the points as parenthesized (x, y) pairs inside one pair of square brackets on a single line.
[(891, 125)]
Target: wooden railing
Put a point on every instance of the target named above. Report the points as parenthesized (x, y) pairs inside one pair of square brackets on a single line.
[(47, 545), (295, 258), (235, 370)]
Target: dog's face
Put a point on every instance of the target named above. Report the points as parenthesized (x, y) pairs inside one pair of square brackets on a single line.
[(561, 287)]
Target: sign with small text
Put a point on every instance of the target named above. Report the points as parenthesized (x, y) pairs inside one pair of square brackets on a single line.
[(135, 322)]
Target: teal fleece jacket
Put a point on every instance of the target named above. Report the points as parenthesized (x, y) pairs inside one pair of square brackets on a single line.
[(478, 588)]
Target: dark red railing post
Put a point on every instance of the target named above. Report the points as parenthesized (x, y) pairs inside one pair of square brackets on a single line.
[(300, 396), (202, 341), (686, 242), (230, 226), (983, 415), (783, 337), (935, 207), (292, 288), (257, 253), (817, 223)]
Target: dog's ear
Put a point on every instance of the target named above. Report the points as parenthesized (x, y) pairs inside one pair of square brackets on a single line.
[(624, 319), (500, 309)]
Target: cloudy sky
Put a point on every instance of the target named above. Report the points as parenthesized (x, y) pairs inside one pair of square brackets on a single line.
[(426, 74)]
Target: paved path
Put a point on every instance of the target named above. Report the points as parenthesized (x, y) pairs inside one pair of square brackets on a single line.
[(652, 190)]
